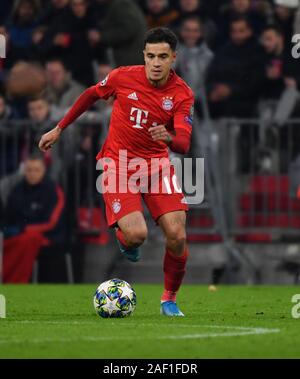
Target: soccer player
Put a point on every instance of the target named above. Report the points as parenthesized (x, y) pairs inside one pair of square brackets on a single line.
[(152, 111)]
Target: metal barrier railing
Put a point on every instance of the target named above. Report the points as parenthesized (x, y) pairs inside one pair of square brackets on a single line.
[(260, 178), (247, 173), (71, 162)]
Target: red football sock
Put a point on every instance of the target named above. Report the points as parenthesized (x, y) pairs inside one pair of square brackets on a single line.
[(174, 270), (121, 238)]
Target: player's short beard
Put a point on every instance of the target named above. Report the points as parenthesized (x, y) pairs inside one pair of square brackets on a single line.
[(155, 83), (158, 82)]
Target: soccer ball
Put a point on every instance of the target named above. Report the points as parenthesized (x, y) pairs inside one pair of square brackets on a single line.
[(114, 298)]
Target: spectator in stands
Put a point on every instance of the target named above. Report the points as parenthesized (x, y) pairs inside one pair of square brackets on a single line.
[(193, 54), (62, 90), (20, 27), (278, 60), (281, 76), (9, 137), (235, 75), (67, 38), (159, 13), (33, 218), (39, 115), (297, 21), (285, 15), (256, 18), (189, 8), (52, 10), (6, 112), (41, 121), (214, 7), (122, 29), (5, 10)]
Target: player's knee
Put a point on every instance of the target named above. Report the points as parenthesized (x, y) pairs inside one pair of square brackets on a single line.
[(176, 238), (136, 236)]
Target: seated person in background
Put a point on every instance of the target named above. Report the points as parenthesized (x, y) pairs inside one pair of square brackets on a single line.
[(52, 10), (188, 8), (33, 218), (235, 75), (20, 26), (40, 123), (39, 114), (159, 13), (285, 16), (281, 75), (193, 55), (257, 18), (9, 157), (61, 90), (6, 112)]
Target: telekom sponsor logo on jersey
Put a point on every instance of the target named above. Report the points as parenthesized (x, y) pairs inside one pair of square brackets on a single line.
[(139, 116), (160, 175)]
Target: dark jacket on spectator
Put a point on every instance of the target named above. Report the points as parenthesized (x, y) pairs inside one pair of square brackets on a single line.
[(40, 206), (239, 67), (256, 19), (123, 29), (76, 51), (287, 26), (166, 18), (288, 67), (209, 27)]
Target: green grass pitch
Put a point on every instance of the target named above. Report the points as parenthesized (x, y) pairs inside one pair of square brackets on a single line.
[(58, 321)]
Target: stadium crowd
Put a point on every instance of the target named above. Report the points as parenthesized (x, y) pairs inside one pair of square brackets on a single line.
[(235, 52)]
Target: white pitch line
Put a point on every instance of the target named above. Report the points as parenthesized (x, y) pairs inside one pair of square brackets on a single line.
[(242, 332), (128, 324)]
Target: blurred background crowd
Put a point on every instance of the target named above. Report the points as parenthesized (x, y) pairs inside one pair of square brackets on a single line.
[(235, 54), (239, 50)]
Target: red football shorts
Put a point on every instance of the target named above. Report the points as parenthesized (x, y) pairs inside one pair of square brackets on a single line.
[(160, 198)]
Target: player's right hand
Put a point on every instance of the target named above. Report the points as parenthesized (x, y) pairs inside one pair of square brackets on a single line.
[(49, 139)]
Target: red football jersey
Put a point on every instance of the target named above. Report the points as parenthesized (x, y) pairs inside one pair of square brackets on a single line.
[(138, 106)]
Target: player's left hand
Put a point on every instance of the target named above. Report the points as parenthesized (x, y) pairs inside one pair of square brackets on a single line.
[(160, 133)]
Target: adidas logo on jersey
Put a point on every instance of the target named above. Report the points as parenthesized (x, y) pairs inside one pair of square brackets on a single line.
[(133, 96)]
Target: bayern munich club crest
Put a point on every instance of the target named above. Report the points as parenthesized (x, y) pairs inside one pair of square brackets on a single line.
[(116, 206), (167, 103)]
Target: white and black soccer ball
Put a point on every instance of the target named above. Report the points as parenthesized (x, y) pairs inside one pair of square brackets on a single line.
[(114, 298)]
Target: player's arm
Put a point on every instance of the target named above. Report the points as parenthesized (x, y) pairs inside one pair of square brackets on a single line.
[(83, 103), (183, 118), (102, 90)]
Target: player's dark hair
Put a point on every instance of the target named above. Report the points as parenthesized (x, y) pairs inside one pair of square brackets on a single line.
[(160, 35)]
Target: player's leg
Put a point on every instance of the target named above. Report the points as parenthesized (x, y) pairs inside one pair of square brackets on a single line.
[(124, 212), (131, 232), (168, 209), (176, 254)]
